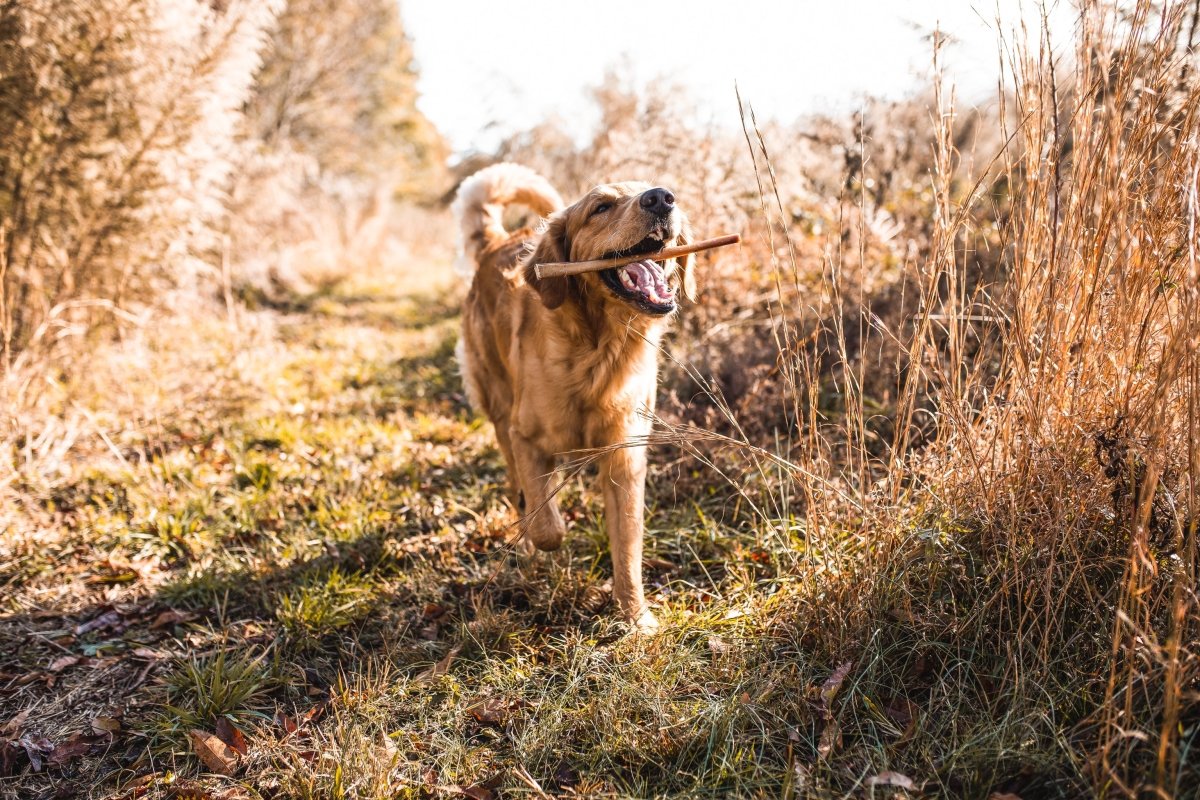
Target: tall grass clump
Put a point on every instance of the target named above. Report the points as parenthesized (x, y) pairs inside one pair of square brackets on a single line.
[(1068, 452), (1019, 492)]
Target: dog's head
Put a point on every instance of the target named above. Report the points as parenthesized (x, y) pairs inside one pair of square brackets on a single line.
[(617, 219)]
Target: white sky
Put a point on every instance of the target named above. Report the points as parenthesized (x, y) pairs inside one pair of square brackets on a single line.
[(491, 68)]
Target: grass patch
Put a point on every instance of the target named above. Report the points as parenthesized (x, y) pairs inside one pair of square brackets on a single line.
[(323, 605)]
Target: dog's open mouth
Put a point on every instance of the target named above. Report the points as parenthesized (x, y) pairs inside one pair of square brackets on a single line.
[(642, 283)]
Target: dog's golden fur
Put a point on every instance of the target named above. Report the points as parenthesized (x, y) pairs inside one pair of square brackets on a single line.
[(564, 364)]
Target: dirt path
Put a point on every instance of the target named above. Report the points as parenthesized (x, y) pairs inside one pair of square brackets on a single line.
[(315, 555)]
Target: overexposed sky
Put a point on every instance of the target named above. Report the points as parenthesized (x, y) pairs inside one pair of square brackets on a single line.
[(491, 68)]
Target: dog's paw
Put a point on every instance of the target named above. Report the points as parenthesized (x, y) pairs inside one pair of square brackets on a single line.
[(646, 623), (546, 534)]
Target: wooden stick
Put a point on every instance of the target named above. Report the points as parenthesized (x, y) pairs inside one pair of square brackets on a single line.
[(554, 269)]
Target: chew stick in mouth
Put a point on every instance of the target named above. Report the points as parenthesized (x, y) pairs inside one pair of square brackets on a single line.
[(554, 269)]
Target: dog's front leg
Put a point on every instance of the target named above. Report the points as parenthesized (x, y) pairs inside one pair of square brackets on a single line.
[(535, 471), (623, 478)]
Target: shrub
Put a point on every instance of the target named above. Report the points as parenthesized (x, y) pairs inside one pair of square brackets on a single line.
[(117, 133)]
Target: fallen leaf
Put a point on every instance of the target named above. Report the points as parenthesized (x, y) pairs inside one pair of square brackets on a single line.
[(717, 646), (287, 723), (892, 779), (61, 663), (228, 733), (494, 710), (66, 752), (313, 714), (485, 789), (13, 726), (833, 683), (831, 738), (440, 668), (213, 753), (37, 749), (108, 619), (139, 787), (109, 725), (1003, 796), (172, 617)]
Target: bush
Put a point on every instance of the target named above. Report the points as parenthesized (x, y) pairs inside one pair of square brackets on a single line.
[(118, 122)]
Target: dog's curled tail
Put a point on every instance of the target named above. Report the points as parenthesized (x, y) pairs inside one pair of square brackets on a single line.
[(480, 201)]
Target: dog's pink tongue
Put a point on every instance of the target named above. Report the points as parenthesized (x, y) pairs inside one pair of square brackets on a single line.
[(649, 279)]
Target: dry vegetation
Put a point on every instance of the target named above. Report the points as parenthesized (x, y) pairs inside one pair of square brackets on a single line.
[(923, 510)]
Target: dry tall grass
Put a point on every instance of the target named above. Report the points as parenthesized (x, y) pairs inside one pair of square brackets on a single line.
[(1047, 353)]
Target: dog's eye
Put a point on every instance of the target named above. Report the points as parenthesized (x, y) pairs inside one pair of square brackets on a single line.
[(600, 209)]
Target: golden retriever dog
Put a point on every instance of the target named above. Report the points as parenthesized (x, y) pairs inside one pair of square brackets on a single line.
[(571, 363)]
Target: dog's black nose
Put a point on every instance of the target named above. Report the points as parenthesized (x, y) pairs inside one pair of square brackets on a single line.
[(658, 201)]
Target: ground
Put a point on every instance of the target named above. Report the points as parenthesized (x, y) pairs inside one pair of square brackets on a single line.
[(312, 560), (293, 578)]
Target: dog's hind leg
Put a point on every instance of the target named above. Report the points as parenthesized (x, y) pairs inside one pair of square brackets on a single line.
[(535, 471)]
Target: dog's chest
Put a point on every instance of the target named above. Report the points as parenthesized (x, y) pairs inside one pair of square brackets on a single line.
[(593, 402)]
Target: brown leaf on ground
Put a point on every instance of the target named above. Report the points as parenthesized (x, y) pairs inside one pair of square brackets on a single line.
[(37, 750), (896, 779), (484, 790), (440, 668), (285, 722), (12, 728), (106, 725), (833, 683), (313, 714), (138, 787), (717, 646), (172, 617), (831, 739), (1003, 796), (63, 662), (904, 713), (229, 733), (78, 745), (494, 710), (217, 756)]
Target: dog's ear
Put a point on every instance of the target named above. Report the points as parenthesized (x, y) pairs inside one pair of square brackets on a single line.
[(685, 265), (552, 246)]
